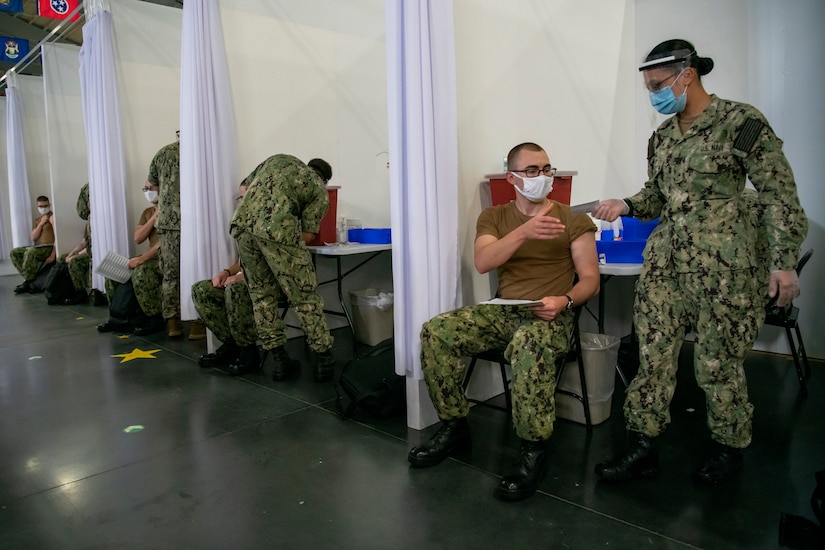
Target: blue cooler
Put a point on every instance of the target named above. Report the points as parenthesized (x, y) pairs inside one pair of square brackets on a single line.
[(380, 235), (629, 249)]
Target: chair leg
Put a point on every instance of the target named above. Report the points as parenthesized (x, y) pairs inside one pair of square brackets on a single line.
[(804, 355), (621, 375), (508, 398), (469, 373), (803, 385)]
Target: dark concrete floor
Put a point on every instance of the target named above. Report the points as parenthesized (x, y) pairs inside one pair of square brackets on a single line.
[(249, 463)]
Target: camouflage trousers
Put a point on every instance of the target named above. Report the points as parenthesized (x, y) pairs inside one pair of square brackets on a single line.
[(726, 311), (80, 270), (227, 312), (28, 259), (531, 345), (146, 282), (272, 270), (169, 255)]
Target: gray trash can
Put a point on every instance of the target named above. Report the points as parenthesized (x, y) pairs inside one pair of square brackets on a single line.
[(372, 313), (600, 353)]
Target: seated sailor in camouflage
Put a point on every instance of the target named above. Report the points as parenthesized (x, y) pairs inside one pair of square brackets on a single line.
[(281, 212), (29, 259), (224, 306), (79, 259), (537, 246), (164, 172), (700, 270), (146, 276)]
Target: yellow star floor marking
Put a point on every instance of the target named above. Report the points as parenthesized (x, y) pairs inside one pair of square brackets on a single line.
[(137, 354)]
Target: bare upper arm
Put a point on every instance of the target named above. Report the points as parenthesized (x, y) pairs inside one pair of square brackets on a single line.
[(585, 257)]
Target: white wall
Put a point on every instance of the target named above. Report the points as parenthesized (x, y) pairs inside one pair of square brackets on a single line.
[(309, 79), (147, 40), (766, 53), (68, 170), (786, 43)]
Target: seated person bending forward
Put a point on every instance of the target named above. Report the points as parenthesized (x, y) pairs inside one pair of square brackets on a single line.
[(537, 246), (225, 307), (79, 259)]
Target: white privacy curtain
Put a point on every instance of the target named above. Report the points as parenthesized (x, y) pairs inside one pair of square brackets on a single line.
[(421, 103), (20, 210), (104, 142), (208, 166), (4, 204)]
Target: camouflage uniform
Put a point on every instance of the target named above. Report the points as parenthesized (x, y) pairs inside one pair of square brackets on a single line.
[(284, 197), (700, 270), (227, 312), (532, 346), (28, 259), (165, 173)]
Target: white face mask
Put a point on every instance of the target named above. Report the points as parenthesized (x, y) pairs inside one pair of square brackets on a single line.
[(535, 189), (151, 196), (43, 210)]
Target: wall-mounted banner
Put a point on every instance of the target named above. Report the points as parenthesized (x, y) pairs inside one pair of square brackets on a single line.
[(11, 5), (13, 49)]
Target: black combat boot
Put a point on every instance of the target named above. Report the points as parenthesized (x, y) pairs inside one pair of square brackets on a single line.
[(248, 360), (99, 299), (150, 325), (23, 288), (452, 437), (523, 480), (77, 297), (109, 326), (324, 366), (221, 357), (723, 464), (641, 460), (284, 364)]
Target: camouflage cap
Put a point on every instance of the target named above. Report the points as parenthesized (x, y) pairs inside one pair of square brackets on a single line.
[(83, 207)]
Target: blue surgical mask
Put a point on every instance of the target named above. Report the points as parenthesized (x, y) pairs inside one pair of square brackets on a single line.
[(666, 103)]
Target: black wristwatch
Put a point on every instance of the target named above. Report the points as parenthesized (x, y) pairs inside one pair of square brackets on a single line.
[(569, 301)]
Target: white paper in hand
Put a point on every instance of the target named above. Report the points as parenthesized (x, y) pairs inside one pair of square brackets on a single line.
[(115, 267), (503, 302)]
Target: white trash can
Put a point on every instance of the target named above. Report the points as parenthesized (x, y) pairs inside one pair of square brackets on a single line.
[(600, 353), (372, 312)]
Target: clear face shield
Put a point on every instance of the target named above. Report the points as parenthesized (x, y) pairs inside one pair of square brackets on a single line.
[(659, 75)]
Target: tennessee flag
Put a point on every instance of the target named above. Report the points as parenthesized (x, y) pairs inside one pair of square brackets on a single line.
[(57, 9)]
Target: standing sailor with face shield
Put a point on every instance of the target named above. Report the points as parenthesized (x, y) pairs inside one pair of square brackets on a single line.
[(701, 271)]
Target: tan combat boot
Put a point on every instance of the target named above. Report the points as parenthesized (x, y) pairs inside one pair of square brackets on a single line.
[(174, 327), (197, 331)]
